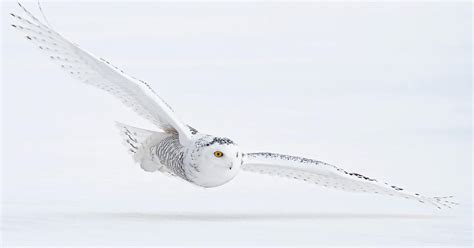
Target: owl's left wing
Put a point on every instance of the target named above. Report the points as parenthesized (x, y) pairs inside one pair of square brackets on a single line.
[(323, 174), (98, 72)]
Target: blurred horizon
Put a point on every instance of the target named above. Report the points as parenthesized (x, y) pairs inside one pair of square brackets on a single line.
[(383, 89)]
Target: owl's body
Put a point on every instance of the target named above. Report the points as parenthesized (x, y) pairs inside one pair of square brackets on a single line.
[(170, 153), (194, 163), (179, 150)]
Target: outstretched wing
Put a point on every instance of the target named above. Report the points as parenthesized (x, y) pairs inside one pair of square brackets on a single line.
[(98, 72), (317, 172)]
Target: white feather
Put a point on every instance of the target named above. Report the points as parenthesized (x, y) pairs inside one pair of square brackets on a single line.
[(89, 69), (323, 174)]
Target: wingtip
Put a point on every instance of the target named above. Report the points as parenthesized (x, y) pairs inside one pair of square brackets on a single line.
[(443, 202), (119, 124)]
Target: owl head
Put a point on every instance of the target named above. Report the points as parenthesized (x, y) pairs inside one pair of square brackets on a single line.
[(212, 161)]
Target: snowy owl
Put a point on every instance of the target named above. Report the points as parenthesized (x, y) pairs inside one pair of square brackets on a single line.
[(178, 149)]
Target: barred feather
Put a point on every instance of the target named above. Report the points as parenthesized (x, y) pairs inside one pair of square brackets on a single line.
[(134, 93), (326, 175)]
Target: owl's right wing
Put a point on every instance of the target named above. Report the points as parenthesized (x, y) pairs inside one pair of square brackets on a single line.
[(89, 69), (323, 174)]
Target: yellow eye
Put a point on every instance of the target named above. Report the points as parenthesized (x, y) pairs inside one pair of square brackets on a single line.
[(218, 154)]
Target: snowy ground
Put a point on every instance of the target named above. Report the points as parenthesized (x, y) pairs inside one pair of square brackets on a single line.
[(379, 89)]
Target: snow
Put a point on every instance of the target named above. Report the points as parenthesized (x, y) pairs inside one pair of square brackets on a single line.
[(379, 89)]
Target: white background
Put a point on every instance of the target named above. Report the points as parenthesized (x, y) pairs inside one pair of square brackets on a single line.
[(379, 89)]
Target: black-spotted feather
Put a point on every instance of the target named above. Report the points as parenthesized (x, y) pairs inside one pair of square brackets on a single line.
[(326, 175), (87, 68)]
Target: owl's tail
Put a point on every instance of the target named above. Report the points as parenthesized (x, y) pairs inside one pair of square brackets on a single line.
[(139, 141)]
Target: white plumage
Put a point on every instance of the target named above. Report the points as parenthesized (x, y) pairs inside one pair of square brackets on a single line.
[(327, 175), (180, 150), (89, 69)]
